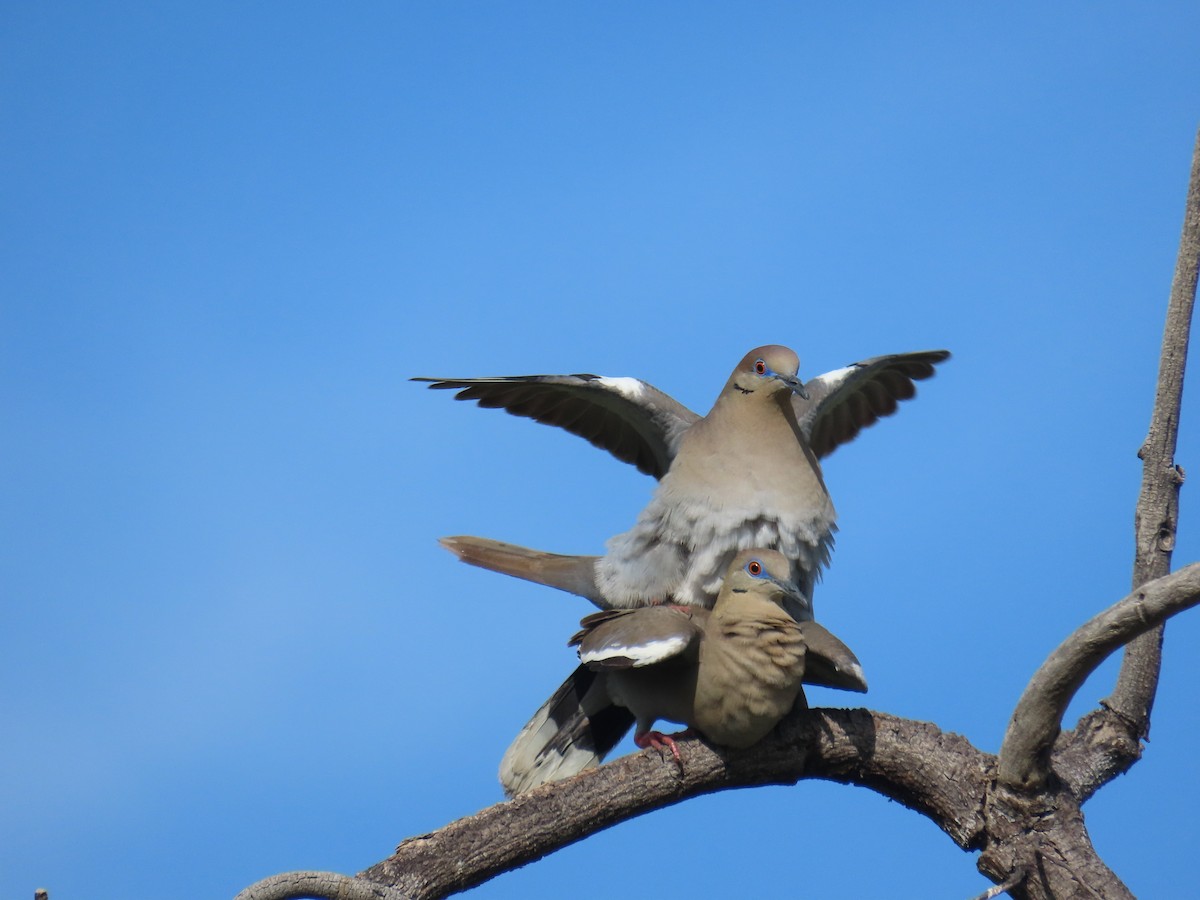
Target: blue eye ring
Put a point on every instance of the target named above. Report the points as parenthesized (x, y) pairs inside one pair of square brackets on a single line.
[(755, 568), (760, 366)]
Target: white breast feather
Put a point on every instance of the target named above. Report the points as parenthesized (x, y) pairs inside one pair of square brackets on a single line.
[(680, 551)]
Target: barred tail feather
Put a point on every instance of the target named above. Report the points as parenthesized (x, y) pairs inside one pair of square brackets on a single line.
[(574, 730)]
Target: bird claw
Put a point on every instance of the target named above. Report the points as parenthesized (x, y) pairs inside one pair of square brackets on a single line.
[(658, 741)]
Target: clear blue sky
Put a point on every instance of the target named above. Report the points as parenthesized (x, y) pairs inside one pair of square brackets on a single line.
[(229, 644)]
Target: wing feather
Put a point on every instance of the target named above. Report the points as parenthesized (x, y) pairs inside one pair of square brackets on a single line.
[(634, 421), (843, 402)]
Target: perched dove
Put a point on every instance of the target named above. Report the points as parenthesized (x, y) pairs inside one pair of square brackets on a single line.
[(745, 475), (731, 673)]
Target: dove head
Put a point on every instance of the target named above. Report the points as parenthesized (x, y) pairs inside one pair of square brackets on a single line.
[(766, 371), (764, 573)]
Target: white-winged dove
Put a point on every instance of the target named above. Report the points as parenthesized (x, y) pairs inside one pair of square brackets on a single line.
[(745, 475), (730, 673)]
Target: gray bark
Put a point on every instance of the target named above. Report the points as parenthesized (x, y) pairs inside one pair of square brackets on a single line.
[(1157, 516)]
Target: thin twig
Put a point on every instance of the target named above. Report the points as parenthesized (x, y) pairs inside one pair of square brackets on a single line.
[(1011, 882)]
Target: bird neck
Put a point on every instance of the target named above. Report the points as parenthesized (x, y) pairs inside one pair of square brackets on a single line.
[(758, 413), (756, 400), (736, 605)]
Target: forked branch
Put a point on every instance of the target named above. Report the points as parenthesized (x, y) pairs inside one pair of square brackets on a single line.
[(1025, 753)]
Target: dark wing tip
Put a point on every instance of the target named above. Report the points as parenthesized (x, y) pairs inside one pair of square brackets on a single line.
[(441, 384), (886, 383), (920, 365)]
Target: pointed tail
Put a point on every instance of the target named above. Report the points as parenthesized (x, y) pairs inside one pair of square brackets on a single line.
[(573, 574), (574, 730)]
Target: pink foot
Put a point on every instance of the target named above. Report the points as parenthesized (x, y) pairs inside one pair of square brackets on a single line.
[(658, 741)]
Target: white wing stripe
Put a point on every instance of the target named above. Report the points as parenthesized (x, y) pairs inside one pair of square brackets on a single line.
[(834, 377), (642, 654), (631, 388)]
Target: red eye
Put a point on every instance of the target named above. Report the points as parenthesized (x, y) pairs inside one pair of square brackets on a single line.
[(760, 367), (754, 567)]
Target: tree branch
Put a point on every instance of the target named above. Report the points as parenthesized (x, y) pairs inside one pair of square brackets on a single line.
[(940, 775), (1157, 515), (326, 885), (1025, 754), (1101, 746), (1042, 835)]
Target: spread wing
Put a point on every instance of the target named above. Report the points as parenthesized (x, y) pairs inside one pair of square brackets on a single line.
[(632, 638), (634, 421), (843, 402)]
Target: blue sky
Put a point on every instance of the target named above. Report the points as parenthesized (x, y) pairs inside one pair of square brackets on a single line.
[(229, 644)]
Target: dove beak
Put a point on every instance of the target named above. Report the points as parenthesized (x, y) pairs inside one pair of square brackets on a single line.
[(794, 384)]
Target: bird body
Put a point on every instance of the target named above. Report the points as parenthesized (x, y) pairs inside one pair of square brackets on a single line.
[(751, 665), (745, 475), (742, 477), (732, 682), (731, 673)]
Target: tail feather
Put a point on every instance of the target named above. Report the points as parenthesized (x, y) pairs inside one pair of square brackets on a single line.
[(573, 574), (574, 730)]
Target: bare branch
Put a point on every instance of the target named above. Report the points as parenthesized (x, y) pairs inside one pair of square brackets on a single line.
[(1157, 515), (1025, 753), (940, 775), (325, 885)]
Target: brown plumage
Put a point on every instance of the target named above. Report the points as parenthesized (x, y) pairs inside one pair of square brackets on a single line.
[(746, 473), (731, 673)]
